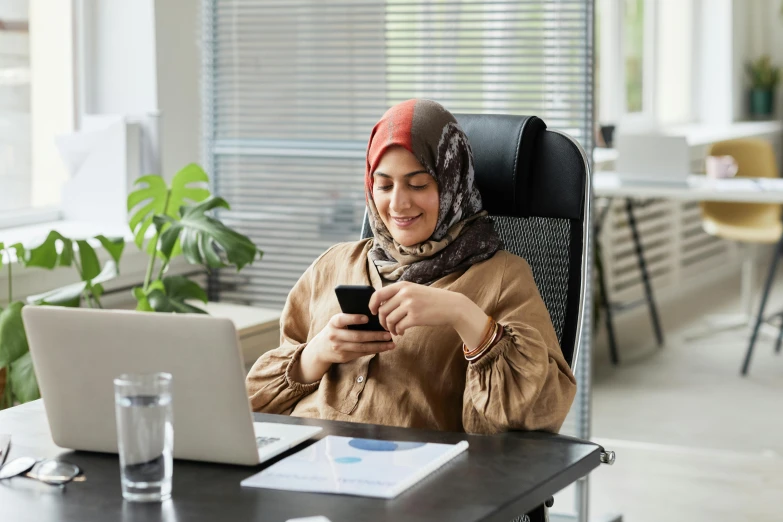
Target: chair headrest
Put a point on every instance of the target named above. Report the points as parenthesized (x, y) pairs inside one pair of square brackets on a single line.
[(524, 170)]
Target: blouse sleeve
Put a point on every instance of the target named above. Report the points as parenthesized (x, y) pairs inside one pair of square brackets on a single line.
[(523, 382), (269, 384)]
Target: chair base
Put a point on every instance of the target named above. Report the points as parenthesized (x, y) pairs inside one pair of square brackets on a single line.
[(720, 323)]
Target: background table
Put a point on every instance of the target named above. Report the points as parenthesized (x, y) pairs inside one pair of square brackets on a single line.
[(609, 184), (498, 478)]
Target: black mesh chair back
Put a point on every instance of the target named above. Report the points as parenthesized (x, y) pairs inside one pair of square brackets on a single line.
[(535, 184)]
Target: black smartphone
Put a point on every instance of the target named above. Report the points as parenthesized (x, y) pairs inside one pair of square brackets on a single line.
[(355, 299)]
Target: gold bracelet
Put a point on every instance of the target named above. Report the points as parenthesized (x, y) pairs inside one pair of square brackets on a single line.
[(495, 338), (486, 337), (485, 346)]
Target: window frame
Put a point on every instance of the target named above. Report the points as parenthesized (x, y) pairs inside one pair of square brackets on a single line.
[(613, 106), (36, 215)]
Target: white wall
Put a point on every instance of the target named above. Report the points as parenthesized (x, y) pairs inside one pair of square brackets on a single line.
[(119, 56), (178, 61), (143, 56)]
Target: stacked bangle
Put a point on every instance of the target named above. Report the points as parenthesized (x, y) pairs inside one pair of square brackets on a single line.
[(492, 335)]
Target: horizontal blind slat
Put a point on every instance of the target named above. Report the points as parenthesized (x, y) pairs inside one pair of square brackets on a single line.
[(296, 85)]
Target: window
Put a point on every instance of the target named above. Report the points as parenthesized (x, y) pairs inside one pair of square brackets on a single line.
[(633, 54), (36, 104), (293, 89), (645, 61)]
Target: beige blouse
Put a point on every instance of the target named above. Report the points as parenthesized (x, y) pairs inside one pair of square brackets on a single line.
[(523, 382)]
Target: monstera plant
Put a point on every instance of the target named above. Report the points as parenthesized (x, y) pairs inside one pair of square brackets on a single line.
[(166, 221), (178, 217)]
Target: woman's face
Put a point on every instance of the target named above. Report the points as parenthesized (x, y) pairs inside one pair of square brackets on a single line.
[(406, 197)]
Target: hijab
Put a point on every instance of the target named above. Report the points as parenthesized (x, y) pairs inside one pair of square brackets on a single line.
[(464, 234)]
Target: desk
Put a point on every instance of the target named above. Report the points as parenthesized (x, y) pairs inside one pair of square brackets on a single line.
[(498, 478), (699, 188)]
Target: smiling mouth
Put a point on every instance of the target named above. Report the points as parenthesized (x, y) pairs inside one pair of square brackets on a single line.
[(405, 222)]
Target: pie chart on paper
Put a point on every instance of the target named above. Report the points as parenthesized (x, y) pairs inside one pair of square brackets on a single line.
[(383, 445)]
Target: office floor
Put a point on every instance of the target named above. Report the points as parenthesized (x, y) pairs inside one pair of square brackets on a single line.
[(694, 440)]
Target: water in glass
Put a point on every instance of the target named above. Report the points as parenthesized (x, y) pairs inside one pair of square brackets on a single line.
[(145, 436)]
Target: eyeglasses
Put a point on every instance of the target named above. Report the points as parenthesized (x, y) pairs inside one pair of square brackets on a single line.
[(49, 471)]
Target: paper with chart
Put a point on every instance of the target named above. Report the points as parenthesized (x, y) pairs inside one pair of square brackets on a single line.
[(351, 466)]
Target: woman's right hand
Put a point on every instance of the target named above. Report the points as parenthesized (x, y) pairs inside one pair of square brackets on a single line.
[(336, 343)]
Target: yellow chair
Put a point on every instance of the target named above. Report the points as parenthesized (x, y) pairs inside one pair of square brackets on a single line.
[(746, 223)]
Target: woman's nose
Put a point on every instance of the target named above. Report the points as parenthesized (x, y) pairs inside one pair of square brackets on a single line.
[(399, 200)]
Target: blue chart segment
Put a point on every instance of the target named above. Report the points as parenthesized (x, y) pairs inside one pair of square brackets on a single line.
[(383, 445), (347, 460)]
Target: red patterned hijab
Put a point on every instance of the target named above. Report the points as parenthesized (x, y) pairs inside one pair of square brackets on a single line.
[(464, 234)]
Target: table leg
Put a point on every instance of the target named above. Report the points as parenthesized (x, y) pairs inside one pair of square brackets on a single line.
[(643, 269), (607, 308), (604, 295), (770, 277)]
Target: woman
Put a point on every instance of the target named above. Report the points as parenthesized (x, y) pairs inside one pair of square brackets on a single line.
[(470, 345)]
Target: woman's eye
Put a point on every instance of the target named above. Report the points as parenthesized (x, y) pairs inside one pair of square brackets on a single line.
[(419, 187), (383, 187)]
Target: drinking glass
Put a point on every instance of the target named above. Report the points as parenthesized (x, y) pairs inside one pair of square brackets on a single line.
[(145, 435)]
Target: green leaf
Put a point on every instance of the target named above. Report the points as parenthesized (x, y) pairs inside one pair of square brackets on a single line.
[(18, 247), (24, 385), (153, 191), (46, 255), (114, 246), (169, 295), (13, 339), (91, 267), (205, 238), (70, 295), (142, 304), (160, 302), (97, 290), (181, 193), (180, 288), (151, 198)]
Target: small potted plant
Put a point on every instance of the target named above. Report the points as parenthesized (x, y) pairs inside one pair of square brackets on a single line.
[(764, 78)]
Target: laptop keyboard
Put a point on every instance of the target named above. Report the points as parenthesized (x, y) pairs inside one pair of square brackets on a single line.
[(265, 441)]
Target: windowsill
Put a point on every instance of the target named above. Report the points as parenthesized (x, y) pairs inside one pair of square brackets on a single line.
[(31, 235), (32, 281), (13, 219), (699, 135)]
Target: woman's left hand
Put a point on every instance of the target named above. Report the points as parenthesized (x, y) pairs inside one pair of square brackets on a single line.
[(400, 306)]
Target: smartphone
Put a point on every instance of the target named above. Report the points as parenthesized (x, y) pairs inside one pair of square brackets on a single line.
[(355, 299)]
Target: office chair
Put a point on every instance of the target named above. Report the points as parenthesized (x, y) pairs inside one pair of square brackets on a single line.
[(745, 223), (748, 223), (535, 183)]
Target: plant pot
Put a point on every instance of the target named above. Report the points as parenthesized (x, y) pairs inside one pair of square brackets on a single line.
[(761, 102)]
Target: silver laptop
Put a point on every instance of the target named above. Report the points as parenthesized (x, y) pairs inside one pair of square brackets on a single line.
[(78, 352), (653, 159)]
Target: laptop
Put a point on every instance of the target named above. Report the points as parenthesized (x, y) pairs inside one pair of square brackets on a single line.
[(77, 353), (653, 159)]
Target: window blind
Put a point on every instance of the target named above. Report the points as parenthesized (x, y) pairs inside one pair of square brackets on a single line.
[(292, 89)]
